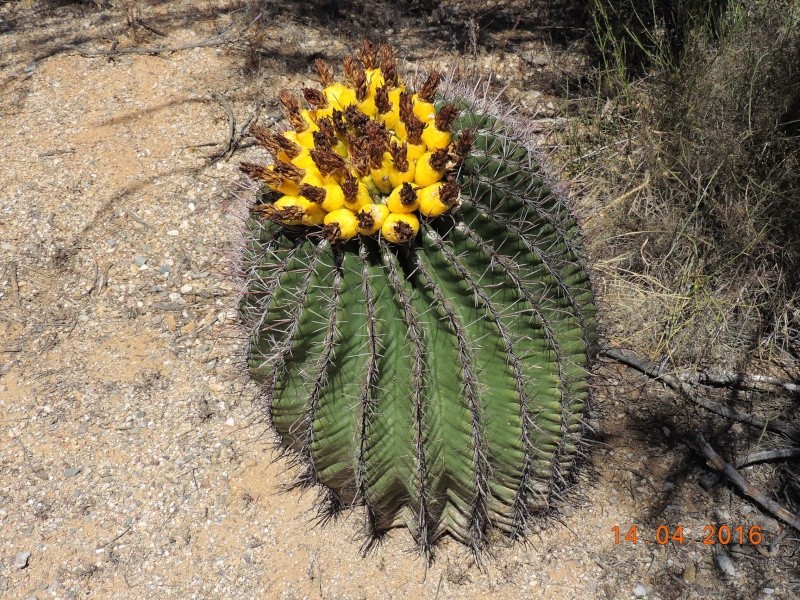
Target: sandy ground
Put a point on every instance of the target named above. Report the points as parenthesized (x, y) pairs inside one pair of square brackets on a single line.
[(134, 458)]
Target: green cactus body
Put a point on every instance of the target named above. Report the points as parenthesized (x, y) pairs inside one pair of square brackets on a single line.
[(442, 384)]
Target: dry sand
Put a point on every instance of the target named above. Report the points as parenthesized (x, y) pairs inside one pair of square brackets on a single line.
[(134, 457)]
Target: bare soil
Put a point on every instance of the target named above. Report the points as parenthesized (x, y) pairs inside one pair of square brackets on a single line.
[(134, 456)]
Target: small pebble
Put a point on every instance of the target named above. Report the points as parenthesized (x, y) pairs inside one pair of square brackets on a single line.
[(725, 564), (186, 288), (230, 422), (21, 559), (640, 591), (139, 260), (164, 268), (668, 486), (172, 232), (71, 471), (768, 591), (112, 243), (174, 296)]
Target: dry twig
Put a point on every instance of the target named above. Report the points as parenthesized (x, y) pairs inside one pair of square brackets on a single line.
[(747, 488), (655, 372)]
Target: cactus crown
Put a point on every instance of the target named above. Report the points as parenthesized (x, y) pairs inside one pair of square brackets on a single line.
[(435, 372), (364, 142)]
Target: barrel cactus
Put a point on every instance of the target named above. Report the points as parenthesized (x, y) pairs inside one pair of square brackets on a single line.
[(437, 371)]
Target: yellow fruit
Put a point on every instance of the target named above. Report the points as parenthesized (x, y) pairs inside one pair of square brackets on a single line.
[(334, 198), (394, 95), (339, 96), (425, 174), (382, 177), (309, 116), (306, 138), (368, 107), (314, 215), (392, 121), (425, 111), (431, 202), (290, 210), (403, 199), (371, 218), (362, 199), (341, 224), (435, 139), (286, 187), (400, 228), (375, 80), (398, 178), (415, 151), (303, 160)]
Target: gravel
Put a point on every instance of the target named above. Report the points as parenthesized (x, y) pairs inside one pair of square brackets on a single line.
[(135, 456)]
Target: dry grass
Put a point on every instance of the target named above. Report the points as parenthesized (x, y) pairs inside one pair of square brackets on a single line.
[(689, 154)]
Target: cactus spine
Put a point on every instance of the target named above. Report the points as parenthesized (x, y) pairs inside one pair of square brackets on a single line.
[(440, 383)]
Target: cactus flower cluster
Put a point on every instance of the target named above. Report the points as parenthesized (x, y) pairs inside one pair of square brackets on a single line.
[(367, 156)]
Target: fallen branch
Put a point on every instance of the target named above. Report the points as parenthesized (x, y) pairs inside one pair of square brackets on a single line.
[(655, 372), (741, 381), (712, 479), (153, 50), (747, 488)]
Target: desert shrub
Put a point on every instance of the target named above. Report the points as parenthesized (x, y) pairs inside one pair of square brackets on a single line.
[(697, 131)]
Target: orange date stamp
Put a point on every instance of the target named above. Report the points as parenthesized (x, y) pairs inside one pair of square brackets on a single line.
[(664, 534)]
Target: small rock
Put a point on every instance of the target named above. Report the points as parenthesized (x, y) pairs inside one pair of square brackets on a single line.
[(690, 573), (164, 268), (139, 260), (112, 243), (21, 560), (172, 232), (640, 591), (186, 288), (768, 591), (3, 583), (174, 296), (668, 486), (230, 422), (725, 564), (71, 471), (27, 531), (188, 328), (30, 68), (210, 365), (169, 322), (83, 318)]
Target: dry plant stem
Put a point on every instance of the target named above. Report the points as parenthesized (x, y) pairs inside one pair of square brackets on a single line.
[(210, 42), (654, 371), (753, 458), (748, 489), (767, 456), (741, 380)]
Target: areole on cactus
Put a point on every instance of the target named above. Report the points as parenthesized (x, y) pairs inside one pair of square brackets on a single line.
[(420, 316)]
